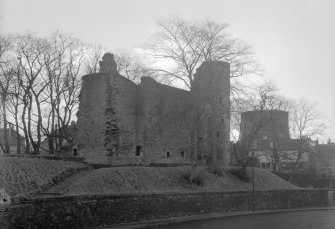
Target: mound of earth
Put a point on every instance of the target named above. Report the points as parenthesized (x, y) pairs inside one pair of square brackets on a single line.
[(26, 176), (166, 179)]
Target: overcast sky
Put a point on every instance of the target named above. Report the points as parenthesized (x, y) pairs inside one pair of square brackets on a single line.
[(294, 40)]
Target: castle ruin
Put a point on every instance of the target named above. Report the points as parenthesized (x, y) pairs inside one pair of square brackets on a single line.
[(120, 121)]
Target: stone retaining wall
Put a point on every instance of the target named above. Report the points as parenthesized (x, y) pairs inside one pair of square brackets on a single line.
[(92, 211)]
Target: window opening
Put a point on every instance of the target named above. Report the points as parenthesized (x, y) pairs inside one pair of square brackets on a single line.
[(138, 150)]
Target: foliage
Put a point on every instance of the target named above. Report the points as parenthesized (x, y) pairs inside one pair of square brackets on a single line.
[(193, 179), (239, 172), (218, 171)]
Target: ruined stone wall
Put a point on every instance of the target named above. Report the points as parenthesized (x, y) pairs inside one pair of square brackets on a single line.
[(115, 111), (107, 116), (125, 100), (166, 122), (149, 122), (91, 116)]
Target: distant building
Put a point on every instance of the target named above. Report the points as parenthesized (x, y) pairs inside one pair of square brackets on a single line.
[(266, 132), (327, 154), (12, 140), (264, 127), (67, 135), (288, 153)]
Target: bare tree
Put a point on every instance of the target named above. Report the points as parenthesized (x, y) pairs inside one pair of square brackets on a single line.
[(6, 74), (64, 63), (266, 100), (130, 66), (306, 122), (30, 51), (5, 45), (94, 55), (15, 104), (183, 46), (40, 86)]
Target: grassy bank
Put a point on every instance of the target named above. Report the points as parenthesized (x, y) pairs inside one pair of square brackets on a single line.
[(26, 176), (159, 179)]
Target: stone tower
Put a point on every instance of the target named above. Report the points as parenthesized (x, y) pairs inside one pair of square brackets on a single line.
[(212, 91), (264, 124)]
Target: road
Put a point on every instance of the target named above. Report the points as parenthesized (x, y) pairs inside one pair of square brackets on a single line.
[(316, 219)]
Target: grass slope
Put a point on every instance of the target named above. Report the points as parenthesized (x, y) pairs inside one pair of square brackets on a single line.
[(26, 176), (160, 180)]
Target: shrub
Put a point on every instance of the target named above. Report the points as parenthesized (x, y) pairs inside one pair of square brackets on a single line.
[(195, 180), (240, 173), (218, 172)]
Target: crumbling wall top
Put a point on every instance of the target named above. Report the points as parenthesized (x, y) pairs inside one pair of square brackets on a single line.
[(108, 64)]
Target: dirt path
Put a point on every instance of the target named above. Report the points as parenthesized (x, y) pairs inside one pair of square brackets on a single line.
[(61, 187)]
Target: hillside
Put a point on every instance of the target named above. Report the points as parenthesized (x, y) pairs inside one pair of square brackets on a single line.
[(160, 179), (26, 176)]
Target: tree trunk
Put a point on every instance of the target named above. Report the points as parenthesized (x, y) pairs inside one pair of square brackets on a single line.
[(275, 160), (39, 124), (194, 127), (52, 132), (213, 129), (29, 126), (18, 137), (299, 156), (194, 142), (194, 135), (50, 144), (213, 162), (51, 136), (5, 129), (25, 129)]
